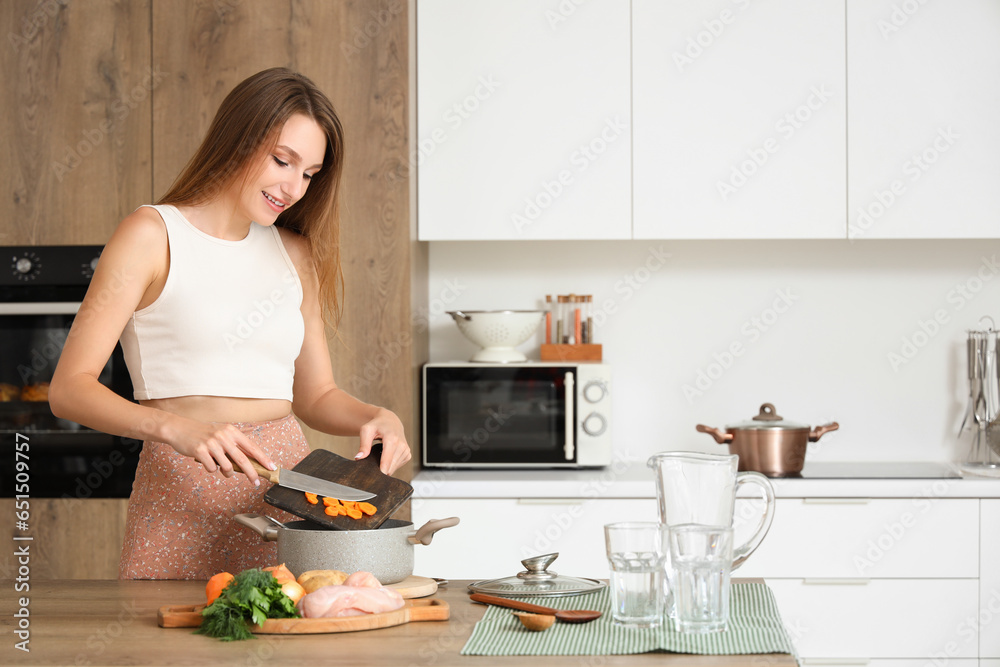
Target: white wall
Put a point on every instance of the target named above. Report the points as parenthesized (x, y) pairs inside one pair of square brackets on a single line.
[(835, 353)]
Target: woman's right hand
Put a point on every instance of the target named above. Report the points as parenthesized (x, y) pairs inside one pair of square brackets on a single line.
[(218, 447)]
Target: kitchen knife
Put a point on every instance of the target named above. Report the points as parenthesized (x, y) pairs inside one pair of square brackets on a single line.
[(299, 482)]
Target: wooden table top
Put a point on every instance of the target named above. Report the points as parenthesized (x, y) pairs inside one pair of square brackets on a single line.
[(114, 623)]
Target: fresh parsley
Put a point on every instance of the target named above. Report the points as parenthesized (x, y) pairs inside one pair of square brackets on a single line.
[(252, 597)]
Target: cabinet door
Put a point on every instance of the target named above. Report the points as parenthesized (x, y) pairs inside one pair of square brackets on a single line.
[(924, 87), (739, 119), (523, 120), (882, 618), (506, 531), (75, 156), (989, 579), (857, 538)]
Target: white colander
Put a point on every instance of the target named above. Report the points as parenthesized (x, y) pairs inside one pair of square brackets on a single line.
[(497, 332)]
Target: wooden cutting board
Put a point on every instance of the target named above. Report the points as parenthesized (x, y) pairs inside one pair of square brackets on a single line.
[(189, 616), (389, 492)]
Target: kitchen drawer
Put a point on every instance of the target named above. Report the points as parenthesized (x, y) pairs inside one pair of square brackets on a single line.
[(865, 662), (496, 534), (989, 582), (859, 538), (883, 618)]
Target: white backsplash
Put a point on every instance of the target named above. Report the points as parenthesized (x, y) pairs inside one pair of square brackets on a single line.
[(870, 334)]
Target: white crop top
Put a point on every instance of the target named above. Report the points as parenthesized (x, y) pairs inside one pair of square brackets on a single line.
[(227, 322)]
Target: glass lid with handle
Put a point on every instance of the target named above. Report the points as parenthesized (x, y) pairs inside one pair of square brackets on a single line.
[(537, 580)]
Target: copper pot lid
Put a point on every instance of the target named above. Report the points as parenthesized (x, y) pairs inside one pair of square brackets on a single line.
[(767, 418), (536, 580)]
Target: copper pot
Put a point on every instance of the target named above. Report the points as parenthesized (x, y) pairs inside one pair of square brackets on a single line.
[(768, 443)]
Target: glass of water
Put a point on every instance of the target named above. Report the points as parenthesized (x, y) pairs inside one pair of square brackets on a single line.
[(637, 552), (701, 561)]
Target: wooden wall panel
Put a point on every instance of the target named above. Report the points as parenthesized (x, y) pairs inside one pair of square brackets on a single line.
[(75, 99), (73, 538), (358, 53)]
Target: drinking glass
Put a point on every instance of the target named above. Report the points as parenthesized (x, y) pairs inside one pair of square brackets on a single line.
[(702, 559), (636, 557)]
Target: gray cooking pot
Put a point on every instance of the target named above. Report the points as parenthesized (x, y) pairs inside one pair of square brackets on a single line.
[(386, 551)]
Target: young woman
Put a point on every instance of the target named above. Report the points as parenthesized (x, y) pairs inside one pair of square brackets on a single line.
[(220, 295)]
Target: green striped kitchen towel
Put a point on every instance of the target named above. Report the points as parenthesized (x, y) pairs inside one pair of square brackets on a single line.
[(754, 627)]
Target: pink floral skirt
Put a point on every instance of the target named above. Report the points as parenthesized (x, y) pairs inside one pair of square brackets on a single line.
[(180, 521)]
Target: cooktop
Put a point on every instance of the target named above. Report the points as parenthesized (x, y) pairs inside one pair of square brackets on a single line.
[(876, 470)]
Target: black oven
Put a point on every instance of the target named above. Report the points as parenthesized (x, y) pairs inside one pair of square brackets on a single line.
[(41, 288)]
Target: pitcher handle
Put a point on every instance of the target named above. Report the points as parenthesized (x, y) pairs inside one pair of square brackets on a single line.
[(767, 495)]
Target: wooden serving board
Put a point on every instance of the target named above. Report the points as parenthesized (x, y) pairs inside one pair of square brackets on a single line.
[(414, 587), (189, 616), (389, 492)]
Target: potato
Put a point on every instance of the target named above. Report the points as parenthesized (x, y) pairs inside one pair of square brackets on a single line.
[(314, 579)]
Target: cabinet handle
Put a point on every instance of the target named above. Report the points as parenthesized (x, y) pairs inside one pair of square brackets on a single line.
[(836, 582), (550, 501), (836, 501)]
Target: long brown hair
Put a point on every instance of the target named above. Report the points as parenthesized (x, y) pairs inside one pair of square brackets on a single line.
[(245, 128)]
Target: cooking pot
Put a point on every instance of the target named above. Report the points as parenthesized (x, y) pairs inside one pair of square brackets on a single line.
[(769, 443), (386, 551)]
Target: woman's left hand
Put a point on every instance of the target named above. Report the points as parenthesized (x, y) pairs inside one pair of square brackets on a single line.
[(395, 450)]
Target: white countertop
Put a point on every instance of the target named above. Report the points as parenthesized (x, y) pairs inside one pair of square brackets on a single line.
[(635, 480)]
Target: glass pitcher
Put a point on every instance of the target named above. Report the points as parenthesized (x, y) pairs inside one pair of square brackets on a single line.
[(701, 489)]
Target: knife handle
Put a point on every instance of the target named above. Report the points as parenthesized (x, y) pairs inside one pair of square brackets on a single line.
[(269, 475)]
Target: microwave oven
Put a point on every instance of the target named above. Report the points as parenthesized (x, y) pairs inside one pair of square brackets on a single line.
[(521, 415)]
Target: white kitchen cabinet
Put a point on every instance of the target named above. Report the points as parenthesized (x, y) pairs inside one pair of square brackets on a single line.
[(507, 530), (739, 119), (923, 87), (880, 618), (523, 120), (989, 580)]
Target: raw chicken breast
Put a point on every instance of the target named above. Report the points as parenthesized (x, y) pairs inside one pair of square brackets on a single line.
[(362, 578), (360, 594)]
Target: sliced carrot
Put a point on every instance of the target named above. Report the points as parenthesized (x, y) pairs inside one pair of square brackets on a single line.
[(332, 511), (349, 504), (367, 508), (354, 513), (330, 502), (312, 498)]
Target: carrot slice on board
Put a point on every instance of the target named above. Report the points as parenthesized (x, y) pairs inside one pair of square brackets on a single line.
[(312, 498), (367, 508)]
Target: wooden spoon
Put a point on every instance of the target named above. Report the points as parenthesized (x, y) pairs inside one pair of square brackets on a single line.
[(535, 622), (564, 615)]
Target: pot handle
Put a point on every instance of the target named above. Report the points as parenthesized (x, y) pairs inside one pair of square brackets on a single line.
[(425, 533), (818, 431), (720, 436), (262, 525)]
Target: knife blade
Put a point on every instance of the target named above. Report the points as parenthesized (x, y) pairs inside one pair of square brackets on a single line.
[(321, 487)]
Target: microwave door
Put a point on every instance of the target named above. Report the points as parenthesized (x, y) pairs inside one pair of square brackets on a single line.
[(513, 421)]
